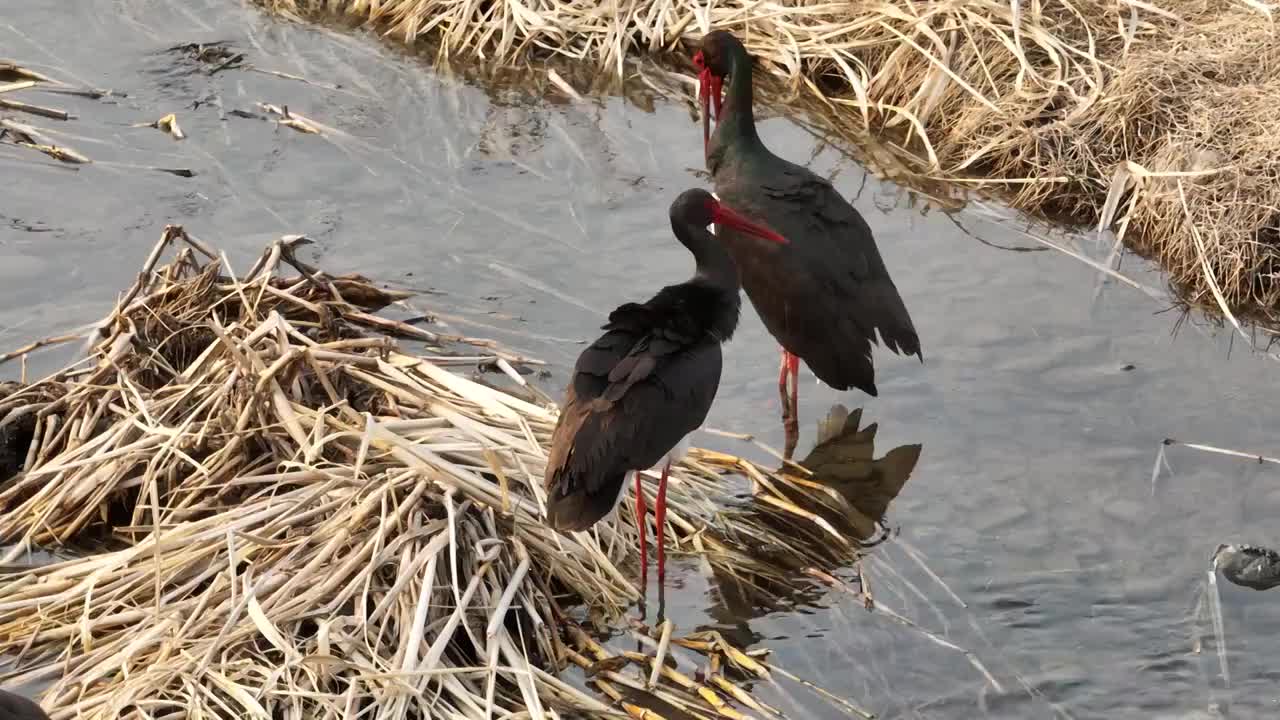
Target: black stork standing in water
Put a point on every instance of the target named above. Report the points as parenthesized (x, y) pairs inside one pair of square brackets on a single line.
[(647, 382), (826, 293), (16, 707)]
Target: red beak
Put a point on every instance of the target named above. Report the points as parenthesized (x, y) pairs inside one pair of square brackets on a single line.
[(709, 95), (722, 215), (717, 96), (705, 83)]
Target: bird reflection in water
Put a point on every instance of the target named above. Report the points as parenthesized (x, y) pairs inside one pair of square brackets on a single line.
[(849, 488), (785, 547)]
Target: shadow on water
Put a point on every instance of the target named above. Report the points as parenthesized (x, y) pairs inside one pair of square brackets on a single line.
[(849, 488), (15, 440), (845, 486), (1044, 565)]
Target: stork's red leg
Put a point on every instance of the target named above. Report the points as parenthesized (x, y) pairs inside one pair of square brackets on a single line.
[(790, 402), (782, 385), (660, 519), (794, 364), (640, 527)]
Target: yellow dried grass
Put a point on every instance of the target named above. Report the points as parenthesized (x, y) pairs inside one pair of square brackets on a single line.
[(303, 520), (1089, 111)]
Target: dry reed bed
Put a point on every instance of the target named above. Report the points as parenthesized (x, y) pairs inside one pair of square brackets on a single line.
[(303, 521), (1155, 119)]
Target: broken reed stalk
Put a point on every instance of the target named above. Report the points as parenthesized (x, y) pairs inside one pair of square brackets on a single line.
[(28, 136), (305, 521), (1087, 112), (16, 79)]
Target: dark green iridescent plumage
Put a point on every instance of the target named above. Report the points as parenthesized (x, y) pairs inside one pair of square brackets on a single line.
[(827, 294)]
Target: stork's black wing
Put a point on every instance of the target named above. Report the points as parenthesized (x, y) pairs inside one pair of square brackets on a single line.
[(648, 381), (827, 293)]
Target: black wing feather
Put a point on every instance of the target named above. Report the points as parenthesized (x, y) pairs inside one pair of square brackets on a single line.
[(827, 294), (648, 381)]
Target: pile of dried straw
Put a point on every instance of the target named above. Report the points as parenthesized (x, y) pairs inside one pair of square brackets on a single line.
[(1157, 119), (292, 518)]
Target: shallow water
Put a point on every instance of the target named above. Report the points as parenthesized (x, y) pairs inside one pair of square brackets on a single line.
[(1069, 575)]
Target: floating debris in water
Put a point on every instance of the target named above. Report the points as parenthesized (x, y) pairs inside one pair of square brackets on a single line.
[(168, 123), (41, 110), (12, 72), (27, 136), (1250, 566), (291, 120), (16, 77), (220, 54)]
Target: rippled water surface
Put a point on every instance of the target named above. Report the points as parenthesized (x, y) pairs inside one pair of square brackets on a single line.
[(1053, 558)]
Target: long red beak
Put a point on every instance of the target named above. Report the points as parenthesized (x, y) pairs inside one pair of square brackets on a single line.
[(722, 215), (705, 83), (709, 94)]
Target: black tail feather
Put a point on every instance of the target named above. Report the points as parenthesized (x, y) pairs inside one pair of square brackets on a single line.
[(571, 507)]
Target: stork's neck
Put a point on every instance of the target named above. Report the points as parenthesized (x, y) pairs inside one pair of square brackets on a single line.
[(718, 273), (715, 266), (718, 300), (736, 128)]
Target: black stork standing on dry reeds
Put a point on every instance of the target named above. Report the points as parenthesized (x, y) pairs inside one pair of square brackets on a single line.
[(647, 382), (826, 293), (17, 707)]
